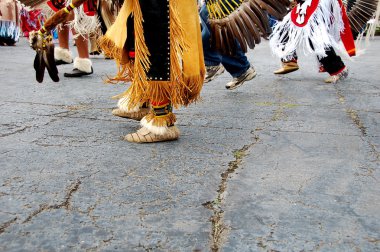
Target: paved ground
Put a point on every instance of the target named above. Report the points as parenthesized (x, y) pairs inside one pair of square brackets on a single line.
[(281, 164)]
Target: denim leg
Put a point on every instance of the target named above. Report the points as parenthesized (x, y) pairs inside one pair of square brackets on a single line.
[(212, 57), (236, 64)]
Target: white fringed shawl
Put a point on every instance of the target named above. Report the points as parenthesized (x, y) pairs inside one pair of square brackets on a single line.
[(321, 32)]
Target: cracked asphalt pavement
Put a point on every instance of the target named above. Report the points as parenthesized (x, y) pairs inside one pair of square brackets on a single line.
[(280, 164)]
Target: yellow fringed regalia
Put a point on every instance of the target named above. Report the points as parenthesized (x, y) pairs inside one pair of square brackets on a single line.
[(186, 68), (187, 64)]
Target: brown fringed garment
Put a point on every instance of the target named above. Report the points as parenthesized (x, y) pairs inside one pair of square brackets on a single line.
[(186, 55)]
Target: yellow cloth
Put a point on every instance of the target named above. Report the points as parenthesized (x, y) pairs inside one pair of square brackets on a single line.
[(187, 63)]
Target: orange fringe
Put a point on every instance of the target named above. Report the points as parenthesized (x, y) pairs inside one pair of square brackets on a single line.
[(125, 66)]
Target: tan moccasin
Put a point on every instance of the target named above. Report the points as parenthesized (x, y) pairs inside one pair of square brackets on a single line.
[(143, 135), (131, 115)]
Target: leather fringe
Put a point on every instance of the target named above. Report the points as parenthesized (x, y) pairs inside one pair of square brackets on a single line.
[(181, 90), (125, 66)]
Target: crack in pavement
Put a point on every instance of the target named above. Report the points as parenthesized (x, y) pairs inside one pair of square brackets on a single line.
[(7, 224), (80, 106), (316, 132), (66, 204), (102, 243), (29, 126), (37, 103), (219, 228), (16, 131), (262, 242), (354, 116)]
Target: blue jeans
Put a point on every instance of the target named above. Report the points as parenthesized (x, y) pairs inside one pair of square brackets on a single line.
[(236, 65)]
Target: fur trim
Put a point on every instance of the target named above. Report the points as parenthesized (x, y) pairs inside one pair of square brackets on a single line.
[(322, 31), (158, 124), (83, 64), (123, 104), (158, 130), (63, 54)]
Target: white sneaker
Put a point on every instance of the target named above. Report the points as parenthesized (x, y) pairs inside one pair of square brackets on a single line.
[(213, 71), (238, 81)]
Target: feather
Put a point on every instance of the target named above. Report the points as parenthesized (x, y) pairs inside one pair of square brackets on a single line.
[(271, 8), (215, 38), (242, 21), (48, 57), (238, 33), (264, 19), (359, 12), (219, 37), (248, 36), (229, 44), (231, 38), (39, 66), (251, 26), (263, 27)]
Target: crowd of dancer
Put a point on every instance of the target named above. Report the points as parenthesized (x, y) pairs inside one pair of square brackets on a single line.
[(167, 54)]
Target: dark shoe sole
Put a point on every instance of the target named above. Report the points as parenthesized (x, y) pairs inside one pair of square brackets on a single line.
[(77, 74), (61, 62)]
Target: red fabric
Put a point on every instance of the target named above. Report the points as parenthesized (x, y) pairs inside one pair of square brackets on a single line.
[(341, 70), (56, 5), (89, 7), (131, 54), (31, 21), (309, 11), (346, 35), (159, 104), (322, 69)]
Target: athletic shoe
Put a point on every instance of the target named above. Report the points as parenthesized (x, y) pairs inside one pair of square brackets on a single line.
[(213, 71), (238, 81)]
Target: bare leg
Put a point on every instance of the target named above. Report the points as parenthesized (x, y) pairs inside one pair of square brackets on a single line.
[(63, 37), (82, 46), (62, 53), (82, 63)]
